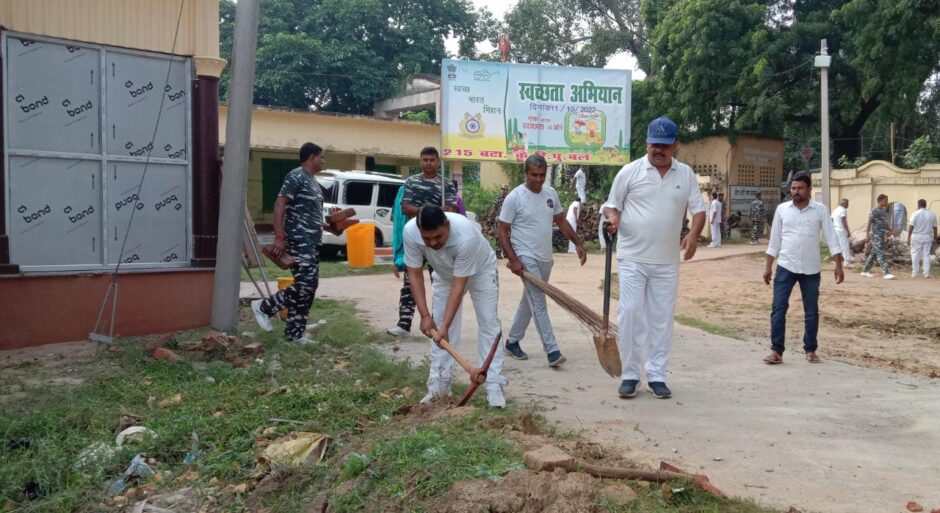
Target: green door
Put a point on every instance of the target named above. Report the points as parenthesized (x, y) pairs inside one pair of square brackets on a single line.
[(273, 172)]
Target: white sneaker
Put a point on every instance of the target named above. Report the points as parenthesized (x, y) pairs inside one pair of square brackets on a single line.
[(437, 388), (494, 396), (889, 276), (263, 319), (867, 274), (397, 331), (315, 327), (913, 275), (304, 341)]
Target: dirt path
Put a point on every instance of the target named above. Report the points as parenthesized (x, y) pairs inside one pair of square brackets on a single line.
[(830, 437)]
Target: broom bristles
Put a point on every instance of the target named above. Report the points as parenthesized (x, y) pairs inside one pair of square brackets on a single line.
[(588, 317)]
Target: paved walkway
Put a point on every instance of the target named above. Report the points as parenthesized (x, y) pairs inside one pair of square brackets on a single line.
[(830, 437)]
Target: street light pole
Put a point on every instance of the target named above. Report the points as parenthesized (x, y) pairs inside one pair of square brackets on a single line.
[(235, 168), (822, 61)]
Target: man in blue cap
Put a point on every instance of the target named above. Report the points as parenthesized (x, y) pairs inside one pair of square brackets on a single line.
[(645, 208)]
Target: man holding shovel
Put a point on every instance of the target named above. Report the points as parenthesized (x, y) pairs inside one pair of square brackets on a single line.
[(462, 261), (525, 234), (645, 208)]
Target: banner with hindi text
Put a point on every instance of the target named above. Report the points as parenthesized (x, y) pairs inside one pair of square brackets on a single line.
[(506, 112)]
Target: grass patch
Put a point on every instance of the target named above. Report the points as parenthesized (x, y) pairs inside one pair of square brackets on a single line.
[(708, 327), (328, 269), (377, 460)]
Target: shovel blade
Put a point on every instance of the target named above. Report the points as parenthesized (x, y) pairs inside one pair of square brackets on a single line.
[(608, 354)]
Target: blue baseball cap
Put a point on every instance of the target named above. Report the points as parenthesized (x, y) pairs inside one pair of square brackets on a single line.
[(661, 131)]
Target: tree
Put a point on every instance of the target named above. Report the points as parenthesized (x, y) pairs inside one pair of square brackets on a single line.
[(344, 55)]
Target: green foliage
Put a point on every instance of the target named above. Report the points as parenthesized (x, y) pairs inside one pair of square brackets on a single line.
[(846, 162), (423, 116), (477, 199), (344, 55), (921, 151)]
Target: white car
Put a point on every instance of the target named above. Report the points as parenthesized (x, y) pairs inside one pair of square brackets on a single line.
[(371, 194)]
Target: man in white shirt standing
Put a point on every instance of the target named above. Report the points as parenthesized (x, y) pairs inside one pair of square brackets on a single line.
[(462, 261), (841, 225), (525, 234), (920, 236), (794, 243), (647, 203), (714, 220), (573, 215), (580, 185)]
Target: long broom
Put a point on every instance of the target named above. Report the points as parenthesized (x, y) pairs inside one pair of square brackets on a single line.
[(605, 337)]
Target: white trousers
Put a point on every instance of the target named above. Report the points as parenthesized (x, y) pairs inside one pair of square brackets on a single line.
[(582, 195), (920, 254), (484, 292), (716, 233), (843, 237), (533, 306), (647, 304)]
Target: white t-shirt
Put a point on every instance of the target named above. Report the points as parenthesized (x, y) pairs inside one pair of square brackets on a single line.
[(466, 253), (837, 215), (714, 212), (652, 208), (531, 216), (580, 180), (923, 221), (574, 213)]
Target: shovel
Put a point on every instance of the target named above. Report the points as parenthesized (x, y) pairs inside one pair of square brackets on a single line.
[(608, 352)]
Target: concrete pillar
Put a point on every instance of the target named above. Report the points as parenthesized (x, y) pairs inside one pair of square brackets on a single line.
[(360, 162)]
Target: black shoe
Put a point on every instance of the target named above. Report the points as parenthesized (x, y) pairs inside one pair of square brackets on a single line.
[(627, 388), (555, 358), (659, 389), (515, 350)]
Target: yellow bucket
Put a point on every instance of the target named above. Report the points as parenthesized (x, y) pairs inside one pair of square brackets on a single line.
[(360, 245), (283, 283)]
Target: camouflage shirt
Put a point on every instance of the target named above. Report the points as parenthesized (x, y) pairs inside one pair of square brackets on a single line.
[(758, 211), (878, 218), (420, 191), (303, 222)]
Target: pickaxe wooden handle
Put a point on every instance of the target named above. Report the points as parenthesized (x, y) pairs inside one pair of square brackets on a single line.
[(472, 371)]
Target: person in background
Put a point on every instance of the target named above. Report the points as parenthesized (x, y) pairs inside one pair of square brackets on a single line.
[(794, 243), (572, 216), (580, 184), (493, 219), (458, 200), (878, 231), (920, 236), (714, 221), (841, 224), (725, 229), (757, 214)]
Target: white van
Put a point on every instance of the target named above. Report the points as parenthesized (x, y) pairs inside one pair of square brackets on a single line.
[(371, 194)]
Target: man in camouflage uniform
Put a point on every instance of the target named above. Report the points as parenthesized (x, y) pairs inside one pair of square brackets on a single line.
[(494, 222), (420, 190), (758, 212), (725, 230), (298, 229), (878, 231)]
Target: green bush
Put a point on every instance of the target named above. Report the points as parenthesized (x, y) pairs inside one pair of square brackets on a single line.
[(478, 199)]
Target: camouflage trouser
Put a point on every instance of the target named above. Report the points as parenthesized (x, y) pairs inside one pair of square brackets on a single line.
[(406, 305), (298, 298), (757, 229), (725, 231), (877, 251), (499, 251)]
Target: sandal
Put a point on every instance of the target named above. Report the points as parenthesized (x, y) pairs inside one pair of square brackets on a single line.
[(812, 358), (773, 359)]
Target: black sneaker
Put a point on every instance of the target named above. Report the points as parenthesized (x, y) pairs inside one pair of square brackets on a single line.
[(627, 388), (515, 350), (555, 358), (659, 389)]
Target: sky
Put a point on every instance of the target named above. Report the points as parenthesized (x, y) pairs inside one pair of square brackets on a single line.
[(499, 8)]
